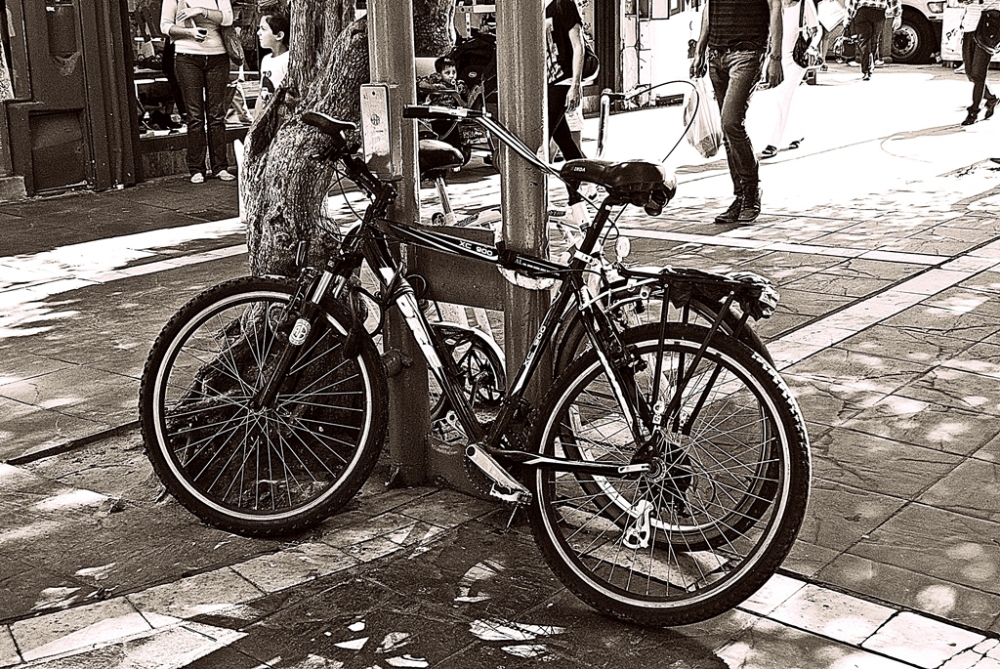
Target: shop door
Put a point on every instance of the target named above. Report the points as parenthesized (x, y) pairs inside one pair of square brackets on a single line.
[(75, 130)]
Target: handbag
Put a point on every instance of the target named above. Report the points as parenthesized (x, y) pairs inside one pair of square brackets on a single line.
[(231, 40), (987, 33), (799, 54)]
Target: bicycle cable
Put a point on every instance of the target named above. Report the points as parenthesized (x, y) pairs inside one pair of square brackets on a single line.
[(626, 97)]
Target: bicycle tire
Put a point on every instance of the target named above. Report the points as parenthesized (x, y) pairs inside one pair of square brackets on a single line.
[(272, 471), (483, 375), (718, 519), (633, 310)]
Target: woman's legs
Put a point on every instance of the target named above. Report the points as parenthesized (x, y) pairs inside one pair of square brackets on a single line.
[(217, 102), (191, 79), (783, 100), (558, 128)]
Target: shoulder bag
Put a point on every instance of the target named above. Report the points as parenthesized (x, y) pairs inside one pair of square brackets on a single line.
[(231, 40), (799, 54)]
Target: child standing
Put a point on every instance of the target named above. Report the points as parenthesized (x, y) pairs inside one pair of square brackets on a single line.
[(273, 34)]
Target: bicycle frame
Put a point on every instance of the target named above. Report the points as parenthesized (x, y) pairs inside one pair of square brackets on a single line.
[(376, 252), (369, 243)]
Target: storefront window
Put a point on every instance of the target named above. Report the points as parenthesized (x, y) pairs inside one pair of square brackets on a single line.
[(158, 99)]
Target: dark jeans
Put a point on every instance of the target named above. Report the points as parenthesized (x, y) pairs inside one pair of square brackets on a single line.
[(204, 81), (977, 65), (734, 74), (869, 22), (558, 128)]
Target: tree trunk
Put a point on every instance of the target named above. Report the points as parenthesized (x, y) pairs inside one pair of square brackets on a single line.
[(283, 189)]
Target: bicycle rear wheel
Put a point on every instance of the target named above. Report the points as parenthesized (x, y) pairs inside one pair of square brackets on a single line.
[(270, 470), (722, 506)]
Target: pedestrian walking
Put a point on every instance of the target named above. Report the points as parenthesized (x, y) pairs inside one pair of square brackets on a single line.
[(202, 67), (869, 20), (978, 48), (798, 17), (564, 71), (733, 45)]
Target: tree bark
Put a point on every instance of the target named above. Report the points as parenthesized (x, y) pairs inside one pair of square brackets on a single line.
[(282, 188)]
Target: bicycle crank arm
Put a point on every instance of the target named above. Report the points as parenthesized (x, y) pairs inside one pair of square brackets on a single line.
[(574, 466), (493, 471)]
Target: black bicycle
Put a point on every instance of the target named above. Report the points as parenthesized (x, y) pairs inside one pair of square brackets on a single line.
[(665, 473)]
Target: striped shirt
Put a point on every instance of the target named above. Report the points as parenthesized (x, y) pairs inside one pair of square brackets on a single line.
[(892, 8), (739, 24)]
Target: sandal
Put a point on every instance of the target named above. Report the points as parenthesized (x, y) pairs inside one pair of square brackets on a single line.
[(769, 151)]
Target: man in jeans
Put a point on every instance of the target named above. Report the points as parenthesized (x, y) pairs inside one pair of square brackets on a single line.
[(737, 37), (869, 21)]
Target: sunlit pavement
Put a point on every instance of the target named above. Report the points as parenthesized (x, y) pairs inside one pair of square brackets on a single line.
[(881, 235)]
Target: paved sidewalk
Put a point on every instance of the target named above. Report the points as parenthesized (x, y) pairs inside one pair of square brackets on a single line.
[(883, 241), (405, 578)]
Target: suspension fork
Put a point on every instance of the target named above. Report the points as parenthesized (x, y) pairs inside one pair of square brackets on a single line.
[(305, 308)]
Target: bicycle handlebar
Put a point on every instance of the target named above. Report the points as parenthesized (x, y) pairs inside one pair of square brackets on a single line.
[(436, 112)]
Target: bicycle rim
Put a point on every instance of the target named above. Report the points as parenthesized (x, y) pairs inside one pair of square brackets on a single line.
[(259, 471), (714, 520)]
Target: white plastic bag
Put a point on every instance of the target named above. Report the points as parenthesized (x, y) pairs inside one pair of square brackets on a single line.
[(705, 131)]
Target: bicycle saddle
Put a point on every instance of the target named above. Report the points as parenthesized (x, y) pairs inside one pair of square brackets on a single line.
[(437, 156), (328, 125), (639, 182)]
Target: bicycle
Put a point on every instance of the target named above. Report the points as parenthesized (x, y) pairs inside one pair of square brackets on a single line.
[(665, 473)]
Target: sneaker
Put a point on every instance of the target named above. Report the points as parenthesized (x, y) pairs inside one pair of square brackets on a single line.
[(751, 208), (770, 151), (970, 119), (224, 175), (197, 178), (731, 215)]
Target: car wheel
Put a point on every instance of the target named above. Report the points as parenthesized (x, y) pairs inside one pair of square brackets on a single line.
[(913, 41)]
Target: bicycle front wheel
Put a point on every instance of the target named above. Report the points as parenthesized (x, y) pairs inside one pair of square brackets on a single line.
[(722, 505), (260, 471)]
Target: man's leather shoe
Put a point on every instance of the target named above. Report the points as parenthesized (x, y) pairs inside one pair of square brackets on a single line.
[(731, 215), (990, 105), (970, 119), (751, 207)]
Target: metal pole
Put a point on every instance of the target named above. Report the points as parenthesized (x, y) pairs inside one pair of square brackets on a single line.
[(522, 101), (390, 53)]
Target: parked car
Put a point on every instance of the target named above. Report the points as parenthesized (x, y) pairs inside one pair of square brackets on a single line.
[(920, 34)]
